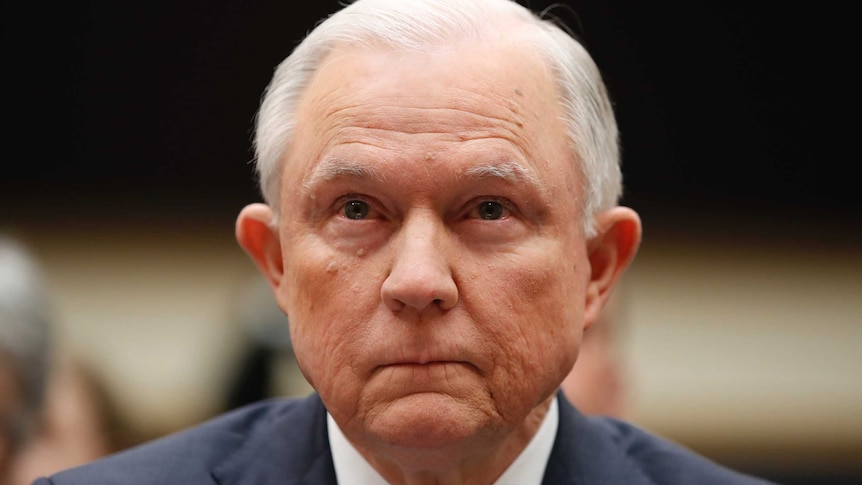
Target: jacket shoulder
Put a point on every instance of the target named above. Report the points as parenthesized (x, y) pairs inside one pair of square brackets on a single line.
[(662, 461), (593, 449), (186, 456)]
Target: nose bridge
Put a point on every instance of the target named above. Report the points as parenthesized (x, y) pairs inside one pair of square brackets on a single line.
[(420, 274), (419, 235)]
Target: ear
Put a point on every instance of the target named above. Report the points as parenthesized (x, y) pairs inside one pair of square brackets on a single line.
[(611, 250), (257, 235)]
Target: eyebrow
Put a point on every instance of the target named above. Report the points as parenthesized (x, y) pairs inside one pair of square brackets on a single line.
[(512, 172), (332, 168), (509, 171)]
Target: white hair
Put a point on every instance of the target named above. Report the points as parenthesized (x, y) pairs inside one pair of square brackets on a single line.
[(25, 331), (419, 24)]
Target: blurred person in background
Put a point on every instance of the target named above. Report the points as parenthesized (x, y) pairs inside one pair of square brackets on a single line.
[(267, 365), (599, 381), (53, 411), (26, 347), (78, 425)]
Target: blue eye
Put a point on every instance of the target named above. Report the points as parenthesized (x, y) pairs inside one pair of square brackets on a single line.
[(356, 209), (491, 210)]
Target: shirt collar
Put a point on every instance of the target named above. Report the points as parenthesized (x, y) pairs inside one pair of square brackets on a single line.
[(350, 466), (527, 469)]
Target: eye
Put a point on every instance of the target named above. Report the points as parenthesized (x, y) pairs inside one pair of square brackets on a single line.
[(356, 209), (490, 210)]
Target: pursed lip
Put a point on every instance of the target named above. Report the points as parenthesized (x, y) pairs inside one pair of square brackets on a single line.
[(424, 363)]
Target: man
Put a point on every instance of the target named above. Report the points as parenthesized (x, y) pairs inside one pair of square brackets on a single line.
[(51, 415), (25, 352), (441, 179)]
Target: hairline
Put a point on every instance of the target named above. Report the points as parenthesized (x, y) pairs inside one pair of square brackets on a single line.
[(589, 126)]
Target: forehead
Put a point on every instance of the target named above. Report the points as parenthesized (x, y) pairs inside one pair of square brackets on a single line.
[(508, 79), (465, 98)]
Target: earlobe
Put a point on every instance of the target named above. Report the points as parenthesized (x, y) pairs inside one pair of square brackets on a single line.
[(611, 251), (257, 236)]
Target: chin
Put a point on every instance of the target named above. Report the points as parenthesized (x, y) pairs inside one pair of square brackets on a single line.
[(427, 421)]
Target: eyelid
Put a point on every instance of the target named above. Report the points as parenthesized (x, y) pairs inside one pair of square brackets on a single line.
[(352, 196)]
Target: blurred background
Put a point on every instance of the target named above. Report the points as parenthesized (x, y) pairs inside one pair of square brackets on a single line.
[(126, 158)]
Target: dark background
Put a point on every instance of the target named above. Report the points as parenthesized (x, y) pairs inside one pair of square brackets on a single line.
[(733, 114), (737, 118)]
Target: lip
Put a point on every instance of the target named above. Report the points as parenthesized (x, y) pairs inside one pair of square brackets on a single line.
[(408, 377), (424, 364), (422, 347)]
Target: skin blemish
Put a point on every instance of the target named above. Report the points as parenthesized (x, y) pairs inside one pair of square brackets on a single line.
[(332, 267), (360, 252), (519, 92)]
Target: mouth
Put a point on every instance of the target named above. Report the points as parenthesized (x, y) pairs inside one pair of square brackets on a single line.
[(428, 365), (425, 362), (415, 377)]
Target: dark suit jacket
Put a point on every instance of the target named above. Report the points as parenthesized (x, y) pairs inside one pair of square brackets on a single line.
[(284, 441)]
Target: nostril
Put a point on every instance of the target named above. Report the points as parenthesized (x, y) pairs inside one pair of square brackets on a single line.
[(438, 301)]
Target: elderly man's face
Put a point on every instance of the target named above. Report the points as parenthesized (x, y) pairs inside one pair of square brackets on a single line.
[(432, 259)]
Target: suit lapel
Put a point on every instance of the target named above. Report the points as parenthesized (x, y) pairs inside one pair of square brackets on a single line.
[(585, 453), (293, 448)]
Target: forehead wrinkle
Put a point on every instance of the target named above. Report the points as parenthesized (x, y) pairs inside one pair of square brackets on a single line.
[(420, 119), (333, 168)]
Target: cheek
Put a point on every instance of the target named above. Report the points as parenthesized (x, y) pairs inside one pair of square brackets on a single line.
[(534, 318), (329, 298)]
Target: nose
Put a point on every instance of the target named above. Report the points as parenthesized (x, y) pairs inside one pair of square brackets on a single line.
[(420, 275)]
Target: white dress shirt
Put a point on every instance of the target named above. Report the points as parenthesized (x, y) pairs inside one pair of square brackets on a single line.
[(527, 469)]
